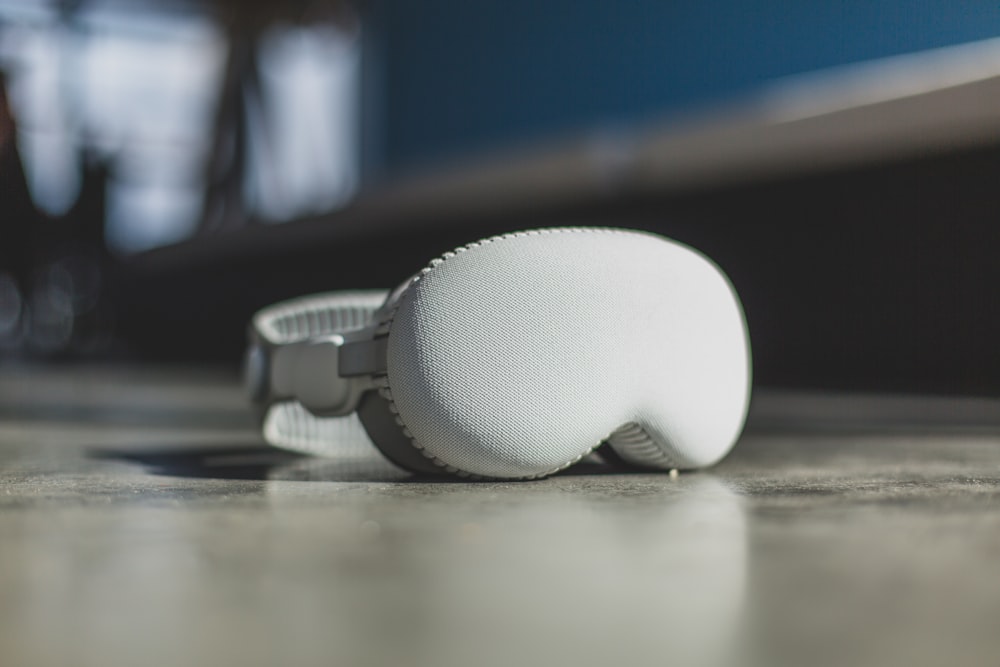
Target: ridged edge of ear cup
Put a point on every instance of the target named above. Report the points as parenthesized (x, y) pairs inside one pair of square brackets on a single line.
[(385, 431), (391, 443)]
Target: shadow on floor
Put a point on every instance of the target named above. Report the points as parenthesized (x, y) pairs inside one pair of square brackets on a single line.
[(253, 462), (261, 462)]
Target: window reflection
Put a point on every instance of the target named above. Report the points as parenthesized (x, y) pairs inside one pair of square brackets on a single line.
[(141, 90), (303, 151)]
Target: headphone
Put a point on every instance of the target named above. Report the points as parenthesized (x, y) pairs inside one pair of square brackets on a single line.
[(514, 357)]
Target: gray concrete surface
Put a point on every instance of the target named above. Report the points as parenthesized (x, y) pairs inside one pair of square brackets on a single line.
[(142, 522)]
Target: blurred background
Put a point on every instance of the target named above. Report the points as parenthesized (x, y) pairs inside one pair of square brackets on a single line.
[(169, 166)]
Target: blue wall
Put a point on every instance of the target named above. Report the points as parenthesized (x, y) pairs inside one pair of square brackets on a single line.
[(459, 77)]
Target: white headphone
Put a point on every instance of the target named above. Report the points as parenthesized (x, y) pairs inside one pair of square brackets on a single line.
[(514, 357)]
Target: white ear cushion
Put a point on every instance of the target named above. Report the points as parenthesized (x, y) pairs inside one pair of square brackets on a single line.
[(288, 424), (515, 356)]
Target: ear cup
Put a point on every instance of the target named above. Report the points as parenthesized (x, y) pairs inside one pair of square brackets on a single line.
[(515, 356)]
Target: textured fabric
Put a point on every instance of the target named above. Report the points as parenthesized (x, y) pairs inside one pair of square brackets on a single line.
[(515, 356)]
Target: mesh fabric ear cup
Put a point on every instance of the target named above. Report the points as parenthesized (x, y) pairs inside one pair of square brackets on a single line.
[(288, 424), (515, 356)]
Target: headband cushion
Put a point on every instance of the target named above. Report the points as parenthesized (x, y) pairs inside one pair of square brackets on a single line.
[(516, 356)]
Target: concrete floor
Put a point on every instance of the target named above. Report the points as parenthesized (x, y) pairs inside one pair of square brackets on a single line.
[(143, 522)]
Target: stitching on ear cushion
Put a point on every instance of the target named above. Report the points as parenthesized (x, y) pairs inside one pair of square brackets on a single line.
[(385, 389), (386, 392)]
